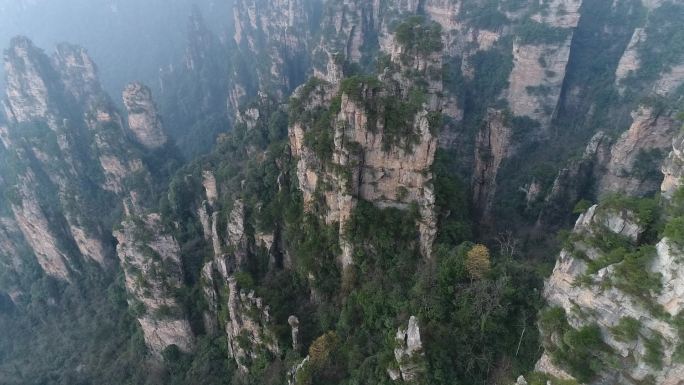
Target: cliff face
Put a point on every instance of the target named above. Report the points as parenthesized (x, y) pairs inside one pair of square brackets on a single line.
[(637, 67), (627, 293), (369, 160), (275, 33), (70, 158), (235, 225), (152, 265), (246, 322), (672, 167), (194, 96), (536, 79), (28, 80), (143, 118), (539, 62), (78, 73), (636, 155), (408, 354), (492, 147), (49, 145), (586, 305)]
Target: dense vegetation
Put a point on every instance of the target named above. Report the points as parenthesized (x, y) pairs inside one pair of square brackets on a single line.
[(477, 299)]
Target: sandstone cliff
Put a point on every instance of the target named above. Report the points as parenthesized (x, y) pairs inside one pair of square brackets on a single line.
[(48, 141), (625, 292), (372, 156), (275, 34), (144, 121), (152, 265), (492, 147), (72, 158), (408, 354), (636, 156)]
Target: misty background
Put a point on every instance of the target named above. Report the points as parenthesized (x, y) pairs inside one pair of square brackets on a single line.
[(128, 39)]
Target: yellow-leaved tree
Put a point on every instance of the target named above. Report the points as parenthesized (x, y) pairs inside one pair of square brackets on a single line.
[(478, 262)]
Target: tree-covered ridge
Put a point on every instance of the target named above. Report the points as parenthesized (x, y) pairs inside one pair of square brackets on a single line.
[(295, 250)]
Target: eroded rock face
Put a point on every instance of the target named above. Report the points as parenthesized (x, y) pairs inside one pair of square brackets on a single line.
[(279, 29), (250, 319), (629, 62), (670, 80), (537, 78), (492, 147), (29, 77), (209, 183), (81, 143), (588, 298), (78, 72), (39, 234), (673, 168), (572, 182), (375, 168), (144, 121), (408, 354), (636, 156), (671, 76), (293, 321), (152, 266)]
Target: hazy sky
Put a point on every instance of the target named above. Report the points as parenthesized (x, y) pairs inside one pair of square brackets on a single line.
[(129, 39)]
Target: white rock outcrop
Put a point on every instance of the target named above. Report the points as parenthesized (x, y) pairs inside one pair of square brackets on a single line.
[(408, 354)]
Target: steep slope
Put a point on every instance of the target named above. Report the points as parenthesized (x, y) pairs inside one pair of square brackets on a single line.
[(329, 238), (614, 294), (68, 154), (305, 219), (383, 140)]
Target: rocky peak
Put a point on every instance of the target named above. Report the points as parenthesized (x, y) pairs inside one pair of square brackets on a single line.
[(279, 31), (29, 79), (250, 319), (408, 354), (144, 121), (78, 72)]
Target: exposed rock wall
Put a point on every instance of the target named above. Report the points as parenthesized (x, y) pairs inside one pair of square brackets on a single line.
[(152, 265), (629, 62), (629, 71), (492, 147), (574, 182), (587, 304), (408, 354), (28, 78), (673, 167), (236, 312), (537, 78), (275, 32), (55, 107), (144, 121), (593, 288), (363, 165), (37, 231), (78, 73), (250, 319), (636, 156)]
